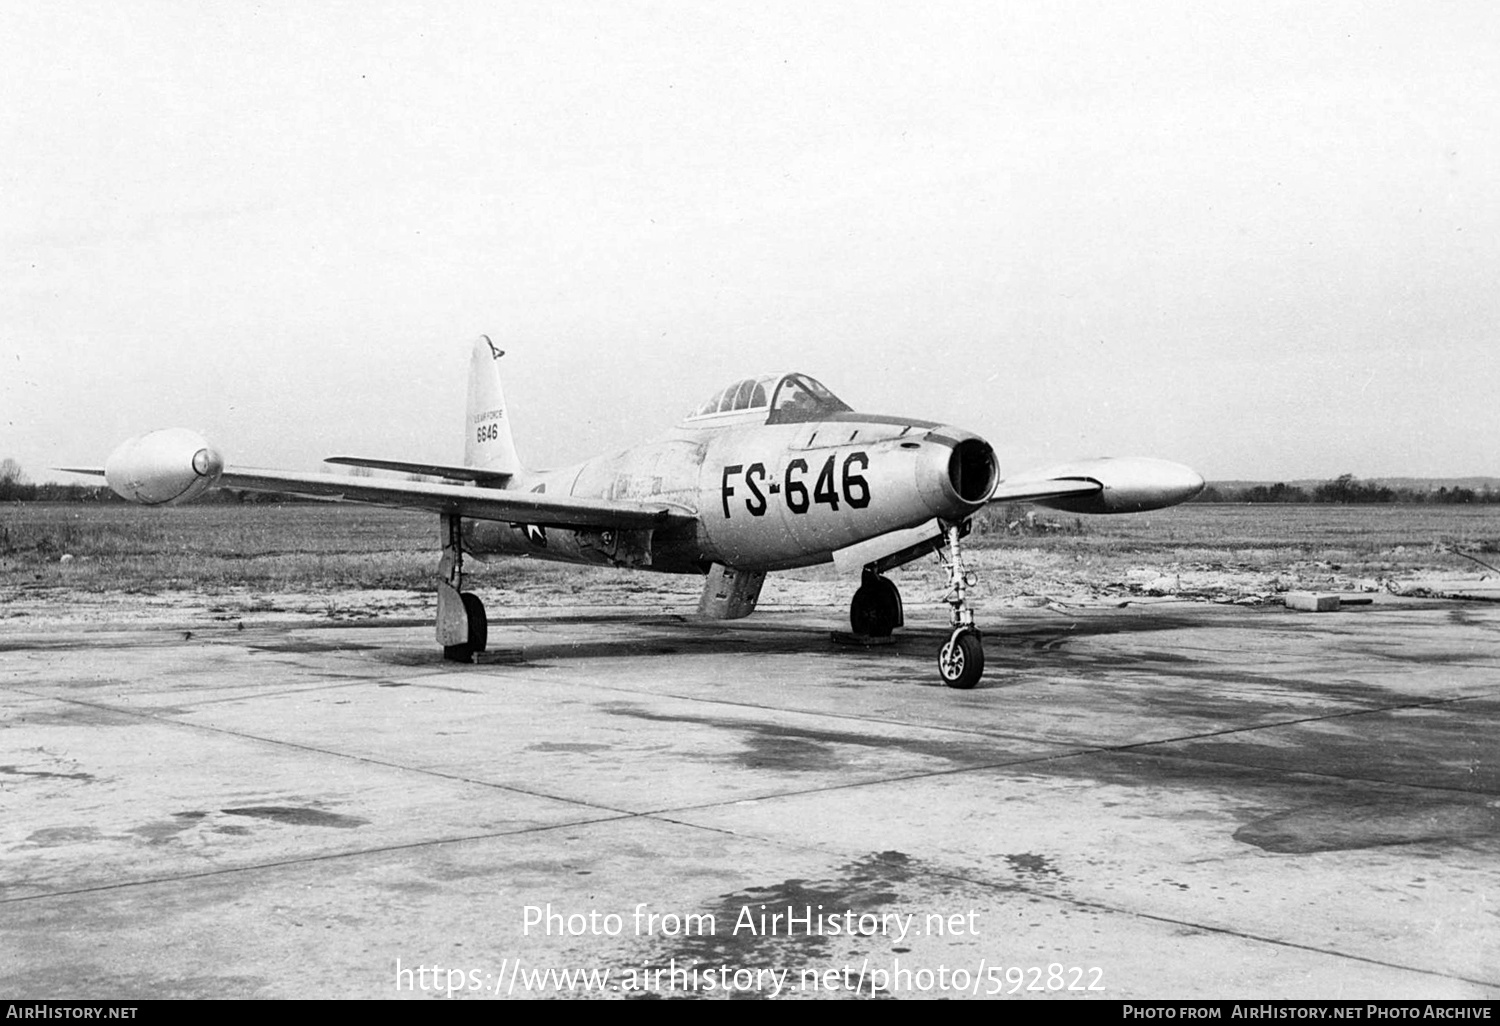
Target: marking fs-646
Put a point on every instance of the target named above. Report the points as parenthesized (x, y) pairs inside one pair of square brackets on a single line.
[(769, 474)]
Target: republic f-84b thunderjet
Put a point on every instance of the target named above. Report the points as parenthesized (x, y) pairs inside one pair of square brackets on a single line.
[(769, 474)]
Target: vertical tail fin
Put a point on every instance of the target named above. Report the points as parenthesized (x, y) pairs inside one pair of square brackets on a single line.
[(488, 443)]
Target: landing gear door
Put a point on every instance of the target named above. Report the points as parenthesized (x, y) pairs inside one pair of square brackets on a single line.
[(890, 550), (729, 594)]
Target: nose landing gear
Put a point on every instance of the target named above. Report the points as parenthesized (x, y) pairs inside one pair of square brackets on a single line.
[(961, 660), (876, 611)]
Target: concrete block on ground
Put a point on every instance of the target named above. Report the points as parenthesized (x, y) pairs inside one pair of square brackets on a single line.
[(1311, 601)]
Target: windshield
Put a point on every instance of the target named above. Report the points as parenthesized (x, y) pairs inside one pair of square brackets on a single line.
[(800, 398)]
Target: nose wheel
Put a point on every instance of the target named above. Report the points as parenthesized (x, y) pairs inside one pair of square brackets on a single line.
[(961, 660)]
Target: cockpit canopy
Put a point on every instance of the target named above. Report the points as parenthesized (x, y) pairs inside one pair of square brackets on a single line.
[(783, 398)]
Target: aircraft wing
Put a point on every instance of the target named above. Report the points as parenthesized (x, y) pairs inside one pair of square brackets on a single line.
[(1035, 491), (462, 500), (173, 466), (1111, 484)]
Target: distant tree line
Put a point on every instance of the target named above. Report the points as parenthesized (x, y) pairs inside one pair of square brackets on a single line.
[(1348, 490), (20, 491), (15, 486)]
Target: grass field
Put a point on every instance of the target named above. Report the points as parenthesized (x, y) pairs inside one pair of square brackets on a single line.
[(1298, 531), (300, 546), (263, 546)]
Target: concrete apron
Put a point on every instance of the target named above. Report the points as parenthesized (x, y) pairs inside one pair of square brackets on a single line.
[(1177, 801)]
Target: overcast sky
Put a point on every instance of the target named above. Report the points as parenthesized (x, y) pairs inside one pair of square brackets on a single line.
[(1262, 239)]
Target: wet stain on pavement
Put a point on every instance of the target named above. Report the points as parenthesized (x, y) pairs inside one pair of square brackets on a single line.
[(44, 774), (560, 746), (161, 831), (76, 716), (1351, 826), (1420, 656), (1030, 865), (294, 816), (744, 934), (1446, 746), (801, 749), (53, 837), (301, 647)]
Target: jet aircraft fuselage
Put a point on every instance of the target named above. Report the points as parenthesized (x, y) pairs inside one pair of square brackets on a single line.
[(767, 487)]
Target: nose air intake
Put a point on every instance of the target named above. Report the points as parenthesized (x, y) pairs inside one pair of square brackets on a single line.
[(972, 470), (958, 475)]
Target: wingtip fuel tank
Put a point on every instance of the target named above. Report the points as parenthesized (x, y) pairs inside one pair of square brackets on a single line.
[(163, 468), (1128, 484)]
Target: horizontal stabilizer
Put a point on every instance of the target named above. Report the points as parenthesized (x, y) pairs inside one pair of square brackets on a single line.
[(488, 478)]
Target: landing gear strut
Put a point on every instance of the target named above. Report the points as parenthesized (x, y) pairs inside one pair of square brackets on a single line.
[(462, 628), (876, 608), (961, 660)]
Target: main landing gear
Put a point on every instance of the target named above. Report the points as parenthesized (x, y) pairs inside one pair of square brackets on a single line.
[(462, 628), (961, 660), (876, 609)]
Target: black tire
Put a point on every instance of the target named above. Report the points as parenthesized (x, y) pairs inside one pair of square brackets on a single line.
[(961, 661), (479, 632), (479, 624), (875, 610)]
